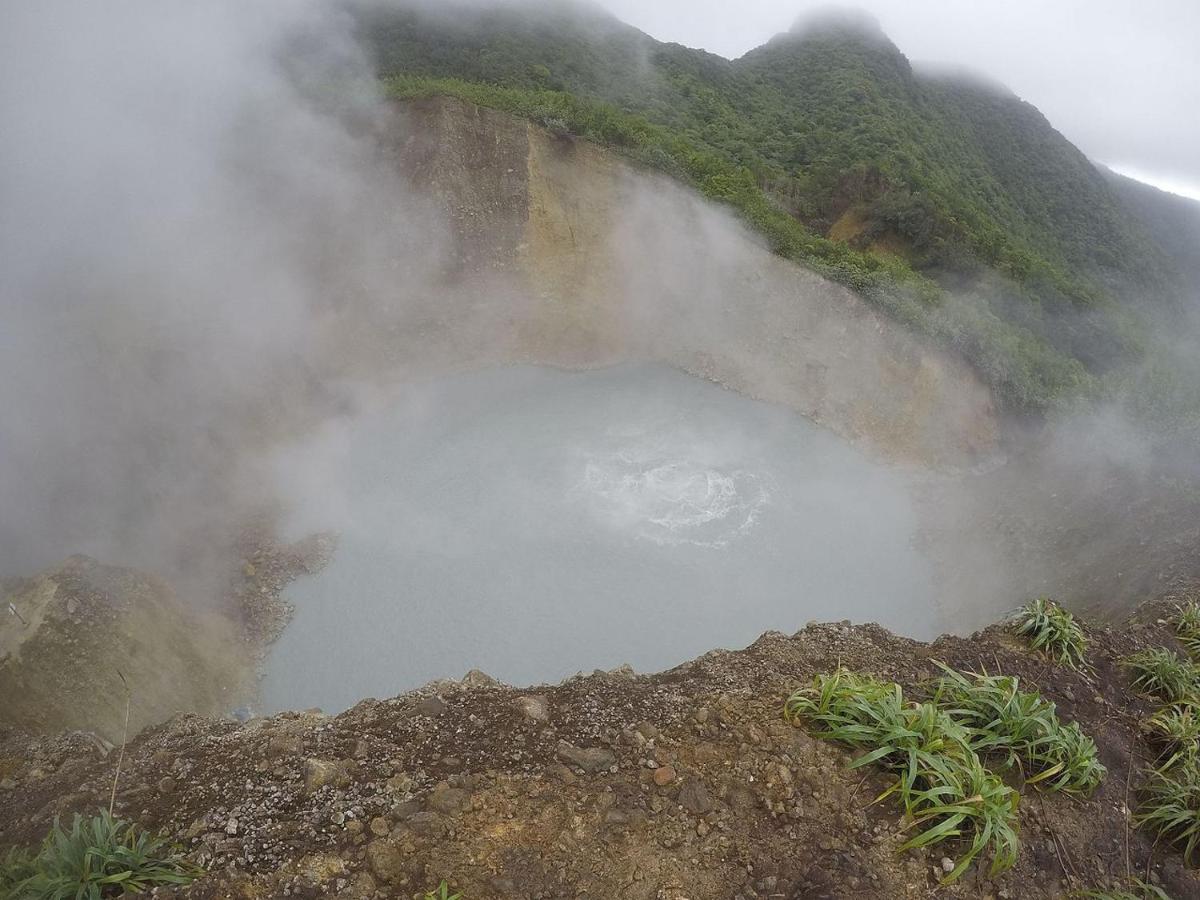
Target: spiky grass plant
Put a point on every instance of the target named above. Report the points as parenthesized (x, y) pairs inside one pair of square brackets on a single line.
[(1053, 630), (1163, 674), (442, 893), (1187, 628), (1171, 806), (1175, 730), (1022, 728), (95, 858), (940, 780)]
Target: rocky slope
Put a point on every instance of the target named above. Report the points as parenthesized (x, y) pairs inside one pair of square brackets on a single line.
[(555, 251), (686, 784)]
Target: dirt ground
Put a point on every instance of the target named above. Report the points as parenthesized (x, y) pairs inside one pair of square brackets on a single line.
[(682, 785)]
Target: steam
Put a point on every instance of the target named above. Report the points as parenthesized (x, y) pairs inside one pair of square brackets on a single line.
[(182, 207)]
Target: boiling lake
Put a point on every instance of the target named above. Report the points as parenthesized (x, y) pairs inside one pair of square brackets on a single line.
[(532, 523)]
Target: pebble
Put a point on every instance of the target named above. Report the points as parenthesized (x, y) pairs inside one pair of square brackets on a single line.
[(664, 775)]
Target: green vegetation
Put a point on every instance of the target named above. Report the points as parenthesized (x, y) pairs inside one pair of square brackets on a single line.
[(442, 893), (96, 858), (1187, 628), (828, 142), (1162, 674), (1052, 629), (1022, 728), (1171, 806), (1024, 370), (940, 779), (1176, 730)]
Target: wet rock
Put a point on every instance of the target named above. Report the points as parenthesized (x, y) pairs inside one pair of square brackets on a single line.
[(592, 760)]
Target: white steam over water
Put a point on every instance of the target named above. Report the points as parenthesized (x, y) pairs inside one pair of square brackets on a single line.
[(532, 522)]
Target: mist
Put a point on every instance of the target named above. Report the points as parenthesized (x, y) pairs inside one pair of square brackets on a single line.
[(225, 258), (184, 200)]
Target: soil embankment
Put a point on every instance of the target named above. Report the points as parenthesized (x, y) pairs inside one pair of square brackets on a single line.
[(686, 784)]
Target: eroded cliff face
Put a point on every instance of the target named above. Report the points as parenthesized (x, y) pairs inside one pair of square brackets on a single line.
[(555, 251)]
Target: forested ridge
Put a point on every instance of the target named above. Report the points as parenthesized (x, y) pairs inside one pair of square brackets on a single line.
[(945, 199)]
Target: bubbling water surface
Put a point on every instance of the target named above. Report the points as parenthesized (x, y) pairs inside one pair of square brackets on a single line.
[(533, 523)]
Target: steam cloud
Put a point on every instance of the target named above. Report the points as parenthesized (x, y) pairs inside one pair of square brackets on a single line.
[(181, 206)]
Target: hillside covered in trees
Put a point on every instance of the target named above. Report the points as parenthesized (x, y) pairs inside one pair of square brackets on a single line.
[(945, 199)]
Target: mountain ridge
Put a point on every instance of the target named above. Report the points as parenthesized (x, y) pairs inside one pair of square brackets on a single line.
[(883, 169)]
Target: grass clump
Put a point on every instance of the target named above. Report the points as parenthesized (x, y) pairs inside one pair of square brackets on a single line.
[(1163, 674), (95, 858), (1176, 730), (442, 892), (1187, 628), (1171, 806), (1052, 629), (940, 779), (1023, 728)]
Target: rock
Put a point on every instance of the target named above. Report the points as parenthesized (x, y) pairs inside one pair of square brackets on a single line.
[(379, 826), (285, 744), (693, 796), (533, 706), (647, 730), (363, 887), (405, 809), (431, 706), (701, 715), (166, 785), (664, 775), (478, 679), (592, 760), (321, 868), (231, 827), (947, 865), (447, 800), (321, 772), (398, 784), (386, 859)]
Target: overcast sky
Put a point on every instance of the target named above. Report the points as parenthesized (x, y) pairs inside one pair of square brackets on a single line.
[(1120, 78)]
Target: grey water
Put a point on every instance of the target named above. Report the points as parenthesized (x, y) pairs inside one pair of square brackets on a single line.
[(532, 523)]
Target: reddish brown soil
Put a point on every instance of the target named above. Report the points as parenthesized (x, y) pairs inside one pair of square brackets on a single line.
[(696, 789)]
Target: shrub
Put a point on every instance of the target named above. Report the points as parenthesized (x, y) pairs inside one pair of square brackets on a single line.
[(940, 779), (1052, 629), (1163, 674), (1023, 728), (1172, 806), (96, 858)]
